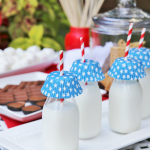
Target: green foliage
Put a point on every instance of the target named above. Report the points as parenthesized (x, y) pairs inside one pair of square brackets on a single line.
[(21, 42), (36, 32), (48, 42), (35, 38), (40, 22)]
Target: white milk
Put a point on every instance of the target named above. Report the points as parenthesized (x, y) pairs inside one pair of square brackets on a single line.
[(125, 106), (60, 129), (145, 84), (89, 103)]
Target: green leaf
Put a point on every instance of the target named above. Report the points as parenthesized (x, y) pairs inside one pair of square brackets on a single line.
[(9, 8), (36, 32), (49, 30), (20, 42), (27, 23), (57, 7), (31, 6), (51, 14), (21, 4), (48, 42), (53, 1), (33, 2), (15, 31), (60, 40)]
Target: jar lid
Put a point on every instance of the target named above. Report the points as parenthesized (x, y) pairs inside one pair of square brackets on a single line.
[(89, 70), (142, 54), (130, 69), (117, 20), (61, 87)]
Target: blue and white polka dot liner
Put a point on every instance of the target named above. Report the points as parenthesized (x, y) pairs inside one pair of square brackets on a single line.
[(61, 87), (87, 71), (129, 69), (142, 54)]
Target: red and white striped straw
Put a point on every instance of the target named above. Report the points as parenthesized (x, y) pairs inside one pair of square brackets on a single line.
[(142, 37), (61, 63), (128, 40), (82, 49), (61, 67)]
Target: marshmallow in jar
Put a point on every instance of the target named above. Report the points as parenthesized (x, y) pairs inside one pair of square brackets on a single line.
[(90, 101), (125, 95), (60, 127), (143, 55)]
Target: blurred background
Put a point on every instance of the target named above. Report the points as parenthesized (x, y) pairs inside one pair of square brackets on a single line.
[(19, 16), (32, 31)]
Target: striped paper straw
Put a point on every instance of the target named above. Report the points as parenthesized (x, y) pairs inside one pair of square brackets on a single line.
[(142, 37), (82, 52), (82, 49), (61, 63), (61, 70), (128, 40)]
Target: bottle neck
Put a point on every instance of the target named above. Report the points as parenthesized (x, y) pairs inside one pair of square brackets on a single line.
[(126, 3)]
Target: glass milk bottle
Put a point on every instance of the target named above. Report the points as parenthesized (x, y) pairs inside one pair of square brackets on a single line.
[(145, 84), (60, 118), (143, 55), (90, 101), (125, 95)]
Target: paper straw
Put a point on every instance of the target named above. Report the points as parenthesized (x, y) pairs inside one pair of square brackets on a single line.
[(61, 69), (82, 49), (142, 37), (128, 40), (61, 63), (82, 52)]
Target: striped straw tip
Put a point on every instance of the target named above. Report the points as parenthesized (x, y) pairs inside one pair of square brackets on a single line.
[(131, 24), (81, 38), (60, 51), (61, 62), (144, 29), (142, 37), (128, 40)]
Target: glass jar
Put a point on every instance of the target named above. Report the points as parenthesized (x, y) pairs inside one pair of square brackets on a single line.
[(90, 108), (145, 84), (114, 24), (60, 127), (125, 106)]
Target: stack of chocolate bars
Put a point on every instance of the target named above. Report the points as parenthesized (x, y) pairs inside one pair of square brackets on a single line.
[(16, 96)]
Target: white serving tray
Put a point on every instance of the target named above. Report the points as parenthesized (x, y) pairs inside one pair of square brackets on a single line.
[(20, 116), (28, 136), (35, 67)]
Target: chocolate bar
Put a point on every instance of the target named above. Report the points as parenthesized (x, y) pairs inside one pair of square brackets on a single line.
[(20, 95), (6, 97)]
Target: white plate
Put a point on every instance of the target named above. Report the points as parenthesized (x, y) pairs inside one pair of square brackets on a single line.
[(28, 136), (20, 116), (36, 67)]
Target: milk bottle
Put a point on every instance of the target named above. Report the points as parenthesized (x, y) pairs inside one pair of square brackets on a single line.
[(125, 106), (60, 129), (60, 118), (143, 55), (145, 84), (90, 101), (125, 95)]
